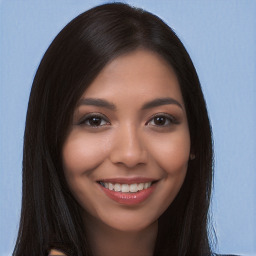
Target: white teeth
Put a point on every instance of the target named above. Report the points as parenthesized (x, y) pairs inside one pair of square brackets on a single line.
[(126, 188), (133, 188), (147, 185), (117, 187), (140, 186), (110, 186)]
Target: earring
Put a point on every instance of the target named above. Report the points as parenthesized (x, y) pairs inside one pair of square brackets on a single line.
[(192, 156)]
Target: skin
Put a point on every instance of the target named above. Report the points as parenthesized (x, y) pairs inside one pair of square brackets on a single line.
[(55, 252), (127, 141)]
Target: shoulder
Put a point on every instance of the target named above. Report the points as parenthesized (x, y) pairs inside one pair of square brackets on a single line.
[(56, 252)]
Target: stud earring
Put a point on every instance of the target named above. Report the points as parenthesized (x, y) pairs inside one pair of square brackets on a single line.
[(192, 156)]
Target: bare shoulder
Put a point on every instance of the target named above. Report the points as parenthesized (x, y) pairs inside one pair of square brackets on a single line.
[(56, 252)]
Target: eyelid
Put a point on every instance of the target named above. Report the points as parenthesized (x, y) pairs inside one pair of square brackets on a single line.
[(90, 115), (172, 119)]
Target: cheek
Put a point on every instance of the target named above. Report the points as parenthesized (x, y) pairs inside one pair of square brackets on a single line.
[(171, 155), (172, 152), (82, 153)]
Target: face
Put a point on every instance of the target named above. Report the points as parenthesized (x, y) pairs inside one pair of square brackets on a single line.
[(126, 155)]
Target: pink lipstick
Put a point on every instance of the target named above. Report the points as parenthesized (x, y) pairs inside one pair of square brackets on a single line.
[(128, 191)]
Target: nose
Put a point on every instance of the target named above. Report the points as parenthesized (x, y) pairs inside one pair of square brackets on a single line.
[(128, 148)]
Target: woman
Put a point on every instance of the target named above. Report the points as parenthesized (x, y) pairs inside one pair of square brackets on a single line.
[(117, 147)]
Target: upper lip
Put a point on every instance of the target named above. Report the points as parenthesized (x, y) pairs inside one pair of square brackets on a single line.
[(128, 180)]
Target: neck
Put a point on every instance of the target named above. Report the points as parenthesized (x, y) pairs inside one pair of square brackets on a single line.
[(105, 240)]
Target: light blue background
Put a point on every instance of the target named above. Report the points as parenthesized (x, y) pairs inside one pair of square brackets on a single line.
[(221, 39)]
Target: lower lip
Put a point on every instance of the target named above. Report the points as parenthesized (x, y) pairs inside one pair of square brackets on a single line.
[(129, 198)]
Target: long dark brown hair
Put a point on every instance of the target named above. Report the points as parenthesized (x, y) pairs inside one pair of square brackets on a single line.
[(50, 216)]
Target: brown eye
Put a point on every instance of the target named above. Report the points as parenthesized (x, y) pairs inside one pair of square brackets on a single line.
[(94, 120), (160, 120)]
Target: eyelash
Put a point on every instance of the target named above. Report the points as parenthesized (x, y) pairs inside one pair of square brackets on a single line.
[(169, 118), (89, 117)]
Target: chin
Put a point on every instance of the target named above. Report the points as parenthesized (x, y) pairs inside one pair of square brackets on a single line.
[(130, 221), (131, 226)]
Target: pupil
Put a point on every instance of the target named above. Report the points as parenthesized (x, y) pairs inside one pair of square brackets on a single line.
[(160, 120), (95, 121)]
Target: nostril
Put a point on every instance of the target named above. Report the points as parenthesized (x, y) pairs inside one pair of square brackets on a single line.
[(130, 160)]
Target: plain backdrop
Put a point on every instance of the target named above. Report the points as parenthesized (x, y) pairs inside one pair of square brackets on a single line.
[(220, 36)]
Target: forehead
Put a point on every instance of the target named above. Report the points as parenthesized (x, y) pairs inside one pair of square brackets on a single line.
[(141, 74)]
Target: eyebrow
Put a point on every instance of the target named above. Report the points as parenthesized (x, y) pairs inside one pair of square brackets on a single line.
[(97, 103), (160, 102), (111, 106)]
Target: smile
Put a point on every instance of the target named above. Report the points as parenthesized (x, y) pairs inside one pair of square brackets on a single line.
[(128, 192), (125, 188)]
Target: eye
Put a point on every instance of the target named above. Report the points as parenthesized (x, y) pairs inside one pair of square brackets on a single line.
[(162, 120), (94, 120)]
